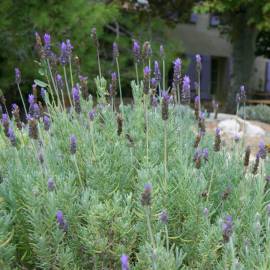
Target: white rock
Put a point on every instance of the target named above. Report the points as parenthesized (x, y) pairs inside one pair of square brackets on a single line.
[(253, 130), (230, 126)]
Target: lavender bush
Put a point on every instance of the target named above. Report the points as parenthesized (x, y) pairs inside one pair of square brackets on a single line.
[(77, 191)]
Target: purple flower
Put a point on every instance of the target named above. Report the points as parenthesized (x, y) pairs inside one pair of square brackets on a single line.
[(31, 99), (43, 93), (64, 54), (11, 137), (205, 153), (59, 81), (236, 138), (262, 150), (186, 89), (166, 97), (76, 94), (69, 48), (115, 50), (73, 144), (114, 76), (177, 64), (146, 72), (161, 51), (218, 130), (157, 71), (51, 187), (36, 111), (61, 221), (146, 195), (47, 39), (17, 76), (154, 101), (92, 115), (198, 59), (153, 83), (124, 262), (146, 50), (227, 227), (197, 100), (163, 217), (242, 92), (46, 122), (136, 51), (47, 45)]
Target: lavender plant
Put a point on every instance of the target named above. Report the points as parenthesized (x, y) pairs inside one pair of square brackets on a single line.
[(72, 182)]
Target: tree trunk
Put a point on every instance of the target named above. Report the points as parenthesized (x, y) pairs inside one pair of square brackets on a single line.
[(243, 57)]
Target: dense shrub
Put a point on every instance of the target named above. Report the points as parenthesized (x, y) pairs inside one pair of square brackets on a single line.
[(258, 112), (83, 186)]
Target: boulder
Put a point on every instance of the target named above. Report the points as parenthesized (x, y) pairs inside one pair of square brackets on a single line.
[(229, 126), (253, 130)]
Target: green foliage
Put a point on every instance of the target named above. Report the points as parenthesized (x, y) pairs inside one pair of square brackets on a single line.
[(105, 216), (73, 20), (258, 112)]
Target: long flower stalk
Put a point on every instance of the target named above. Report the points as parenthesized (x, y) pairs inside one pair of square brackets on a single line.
[(67, 86)]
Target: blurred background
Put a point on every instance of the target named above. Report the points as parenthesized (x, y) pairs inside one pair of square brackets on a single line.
[(232, 36)]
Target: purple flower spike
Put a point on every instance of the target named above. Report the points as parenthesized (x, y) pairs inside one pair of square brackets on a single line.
[(205, 153), (69, 48), (61, 221), (92, 115), (157, 71), (218, 130), (43, 93), (136, 51), (64, 54), (36, 111), (154, 101), (262, 150), (59, 81), (114, 76), (73, 144), (17, 76), (47, 39), (124, 262), (163, 217), (227, 227), (51, 187), (177, 64), (146, 71), (166, 97), (153, 83), (11, 137), (47, 45), (76, 94), (198, 59), (186, 90), (242, 93), (31, 99), (46, 122)]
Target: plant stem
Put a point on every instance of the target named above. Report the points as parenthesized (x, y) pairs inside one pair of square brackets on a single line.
[(163, 73), (199, 90), (137, 74), (66, 81), (78, 171), (167, 238), (24, 107), (71, 74), (119, 81), (92, 139), (53, 82), (165, 153), (146, 125), (99, 66)]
